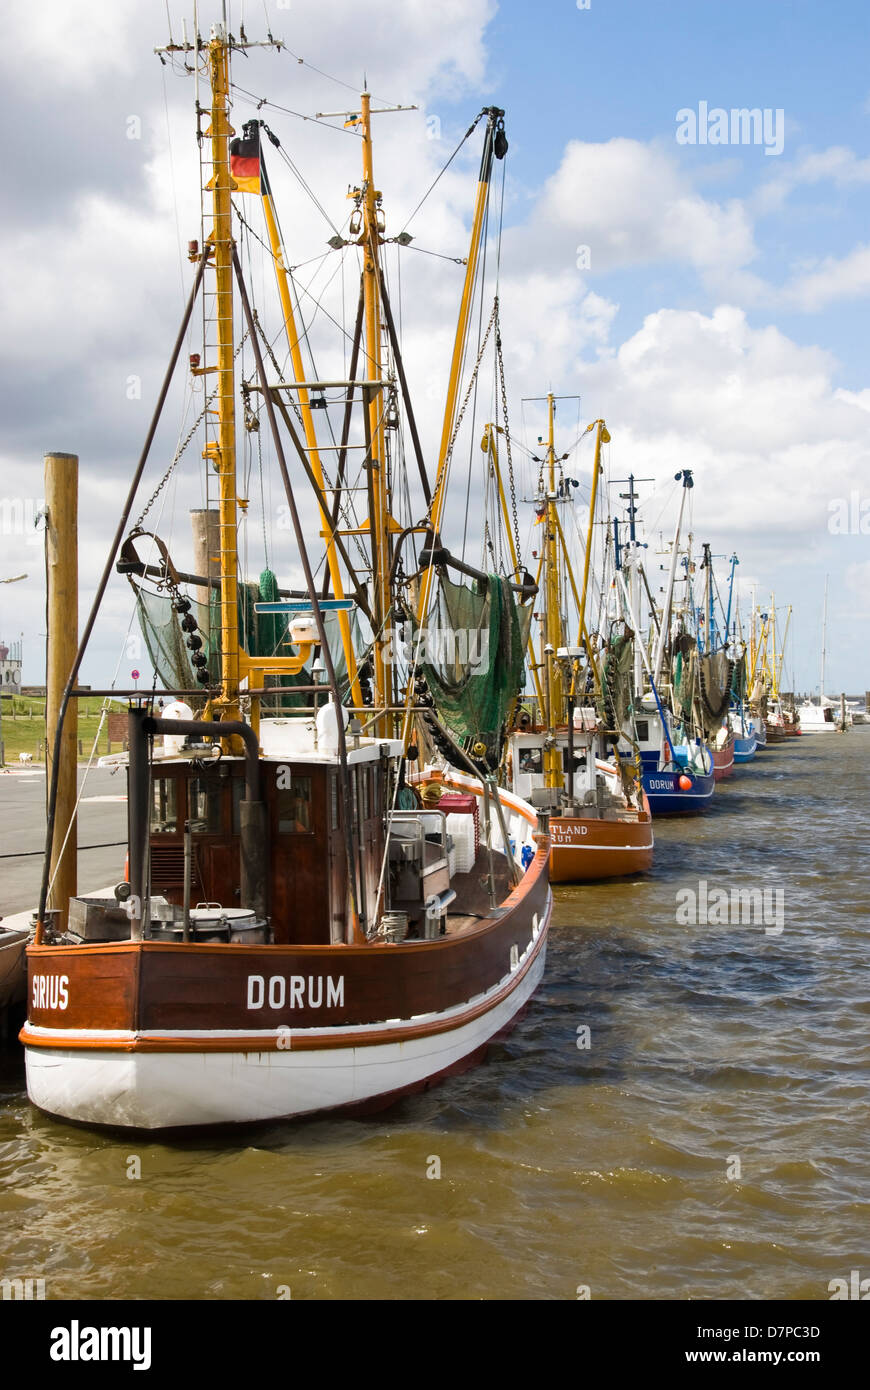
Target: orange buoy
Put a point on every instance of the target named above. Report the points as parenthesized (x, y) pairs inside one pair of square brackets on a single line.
[(685, 783)]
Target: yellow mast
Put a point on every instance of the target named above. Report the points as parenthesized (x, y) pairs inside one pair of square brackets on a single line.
[(235, 662), (222, 452), (489, 447), (774, 683), (602, 437), (308, 425), (552, 634), (494, 128), (370, 240), (781, 659)]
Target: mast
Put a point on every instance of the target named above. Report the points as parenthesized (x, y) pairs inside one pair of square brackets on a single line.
[(773, 673), (602, 437), (494, 146), (552, 630), (688, 483), (489, 447), (222, 452), (734, 563), (824, 635), (304, 400), (379, 519), (631, 557)]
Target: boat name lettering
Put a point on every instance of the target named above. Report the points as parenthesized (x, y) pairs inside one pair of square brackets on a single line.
[(564, 834), (661, 784), (294, 991), (50, 991)]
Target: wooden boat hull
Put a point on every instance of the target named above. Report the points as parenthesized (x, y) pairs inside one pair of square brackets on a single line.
[(723, 760), (584, 848), (166, 1080), (776, 733), (159, 1035)]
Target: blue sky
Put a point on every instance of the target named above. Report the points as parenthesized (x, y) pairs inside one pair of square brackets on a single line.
[(625, 68)]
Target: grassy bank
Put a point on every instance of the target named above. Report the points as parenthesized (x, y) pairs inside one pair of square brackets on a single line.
[(24, 726)]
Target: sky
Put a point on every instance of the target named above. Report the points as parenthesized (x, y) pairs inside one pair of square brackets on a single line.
[(707, 298)]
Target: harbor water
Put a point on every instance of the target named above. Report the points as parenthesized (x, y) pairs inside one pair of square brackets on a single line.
[(680, 1114)]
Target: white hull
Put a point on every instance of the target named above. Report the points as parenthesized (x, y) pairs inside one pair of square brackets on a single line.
[(165, 1090)]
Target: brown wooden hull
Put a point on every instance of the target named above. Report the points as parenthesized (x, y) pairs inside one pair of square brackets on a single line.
[(776, 733), (160, 1034), (584, 848)]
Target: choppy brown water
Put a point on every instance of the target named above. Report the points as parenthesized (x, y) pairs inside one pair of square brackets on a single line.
[(559, 1166)]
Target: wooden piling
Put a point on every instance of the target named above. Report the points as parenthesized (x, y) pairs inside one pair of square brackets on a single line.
[(61, 542)]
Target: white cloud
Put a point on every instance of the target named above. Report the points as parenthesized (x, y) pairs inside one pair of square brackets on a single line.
[(857, 579), (632, 205), (846, 277)]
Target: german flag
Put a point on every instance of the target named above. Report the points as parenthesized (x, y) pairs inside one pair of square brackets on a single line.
[(245, 160)]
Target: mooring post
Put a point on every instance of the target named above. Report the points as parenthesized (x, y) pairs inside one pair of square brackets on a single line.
[(61, 555)]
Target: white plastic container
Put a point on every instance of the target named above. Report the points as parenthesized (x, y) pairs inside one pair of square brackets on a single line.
[(172, 743)]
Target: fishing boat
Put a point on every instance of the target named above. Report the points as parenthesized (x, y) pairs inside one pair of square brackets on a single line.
[(302, 928), (745, 738), (822, 717), (562, 753), (678, 767)]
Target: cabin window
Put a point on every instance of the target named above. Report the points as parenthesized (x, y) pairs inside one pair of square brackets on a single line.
[(569, 763), (294, 807), (643, 730), (531, 759), (364, 792), (205, 805), (164, 818), (333, 802)]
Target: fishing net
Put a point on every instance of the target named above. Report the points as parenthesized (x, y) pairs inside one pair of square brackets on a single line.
[(701, 685), (616, 679), (260, 634), (472, 656)]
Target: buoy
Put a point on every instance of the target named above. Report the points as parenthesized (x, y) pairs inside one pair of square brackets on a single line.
[(685, 783)]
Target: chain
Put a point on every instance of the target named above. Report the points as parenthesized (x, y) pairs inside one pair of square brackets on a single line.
[(507, 440), (182, 446), (449, 453)]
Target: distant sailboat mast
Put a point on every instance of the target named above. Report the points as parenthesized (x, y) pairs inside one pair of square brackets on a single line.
[(824, 631)]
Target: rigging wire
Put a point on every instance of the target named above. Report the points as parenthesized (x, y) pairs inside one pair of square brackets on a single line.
[(470, 131), (260, 102)]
